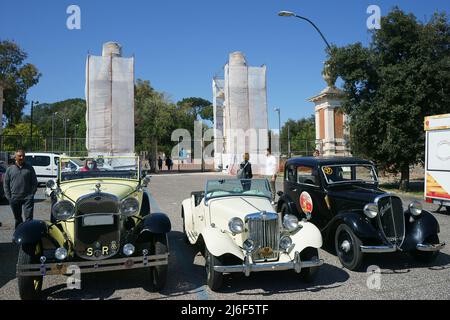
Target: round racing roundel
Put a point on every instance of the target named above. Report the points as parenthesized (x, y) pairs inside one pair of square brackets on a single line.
[(306, 202)]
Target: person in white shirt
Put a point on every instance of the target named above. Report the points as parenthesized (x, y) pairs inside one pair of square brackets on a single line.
[(271, 171)]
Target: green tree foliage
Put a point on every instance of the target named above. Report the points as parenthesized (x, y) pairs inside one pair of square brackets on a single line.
[(154, 117), (18, 136), (302, 136), (198, 108), (16, 77), (392, 85), (72, 109)]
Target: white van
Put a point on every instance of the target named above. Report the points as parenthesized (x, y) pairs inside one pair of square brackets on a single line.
[(46, 165)]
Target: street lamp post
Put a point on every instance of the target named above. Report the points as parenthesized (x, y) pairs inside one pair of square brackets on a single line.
[(53, 129), (31, 125), (65, 133), (279, 127), (292, 14)]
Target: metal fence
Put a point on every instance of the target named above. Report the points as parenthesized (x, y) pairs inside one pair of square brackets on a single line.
[(299, 148)]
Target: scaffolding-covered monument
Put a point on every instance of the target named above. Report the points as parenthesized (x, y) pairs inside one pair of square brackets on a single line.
[(110, 103), (240, 115)]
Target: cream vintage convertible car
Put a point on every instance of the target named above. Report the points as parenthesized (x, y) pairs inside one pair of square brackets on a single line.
[(238, 230)]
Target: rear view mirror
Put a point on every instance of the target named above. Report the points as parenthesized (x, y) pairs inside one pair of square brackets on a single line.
[(50, 184), (146, 180)]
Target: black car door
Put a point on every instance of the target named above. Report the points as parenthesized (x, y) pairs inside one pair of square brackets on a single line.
[(310, 196)]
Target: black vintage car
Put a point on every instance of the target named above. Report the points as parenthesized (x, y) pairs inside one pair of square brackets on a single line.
[(342, 198)]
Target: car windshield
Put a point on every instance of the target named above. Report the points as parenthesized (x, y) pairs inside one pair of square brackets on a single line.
[(335, 174), (98, 167), (237, 187)]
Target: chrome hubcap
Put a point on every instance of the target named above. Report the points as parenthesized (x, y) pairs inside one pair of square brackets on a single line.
[(345, 246)]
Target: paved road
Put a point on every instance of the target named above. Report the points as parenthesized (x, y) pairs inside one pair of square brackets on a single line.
[(401, 276)]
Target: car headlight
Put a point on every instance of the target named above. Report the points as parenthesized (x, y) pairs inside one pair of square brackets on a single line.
[(285, 242), (415, 208), (290, 222), (63, 210), (371, 210), (129, 206), (61, 253), (236, 225)]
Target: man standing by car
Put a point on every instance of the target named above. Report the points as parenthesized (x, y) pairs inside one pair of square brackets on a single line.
[(271, 171), (20, 184)]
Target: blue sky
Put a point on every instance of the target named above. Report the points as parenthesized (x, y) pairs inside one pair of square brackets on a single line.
[(181, 45)]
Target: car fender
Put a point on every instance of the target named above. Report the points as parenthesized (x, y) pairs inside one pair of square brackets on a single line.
[(219, 243), (285, 199), (30, 232), (419, 229), (357, 221), (308, 236), (187, 216), (157, 223)]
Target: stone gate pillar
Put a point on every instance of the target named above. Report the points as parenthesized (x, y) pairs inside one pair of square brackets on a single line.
[(331, 124)]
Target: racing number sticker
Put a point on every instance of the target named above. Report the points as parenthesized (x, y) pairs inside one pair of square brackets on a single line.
[(306, 203), (328, 171)]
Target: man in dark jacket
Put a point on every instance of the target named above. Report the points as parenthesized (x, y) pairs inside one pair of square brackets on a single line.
[(20, 184), (245, 167)]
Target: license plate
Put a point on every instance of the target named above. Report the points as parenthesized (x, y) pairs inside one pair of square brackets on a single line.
[(99, 220)]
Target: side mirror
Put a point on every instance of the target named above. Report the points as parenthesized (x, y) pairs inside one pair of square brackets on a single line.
[(50, 184), (146, 180)]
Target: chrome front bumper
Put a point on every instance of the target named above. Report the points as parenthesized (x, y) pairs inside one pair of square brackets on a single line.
[(393, 248), (68, 268), (248, 267)]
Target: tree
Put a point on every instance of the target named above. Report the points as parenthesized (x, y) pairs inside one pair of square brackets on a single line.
[(16, 77), (392, 85), (302, 135), (72, 109), (18, 136), (154, 116), (198, 108)]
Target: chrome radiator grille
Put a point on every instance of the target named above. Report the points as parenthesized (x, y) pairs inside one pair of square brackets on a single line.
[(263, 229), (391, 219), (96, 237)]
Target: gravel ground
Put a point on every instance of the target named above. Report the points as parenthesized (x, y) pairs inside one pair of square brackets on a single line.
[(401, 276)]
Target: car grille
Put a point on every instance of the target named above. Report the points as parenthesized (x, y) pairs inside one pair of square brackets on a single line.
[(391, 219), (263, 229), (97, 237)]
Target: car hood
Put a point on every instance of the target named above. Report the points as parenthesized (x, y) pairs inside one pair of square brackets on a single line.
[(77, 189), (223, 209), (352, 196)]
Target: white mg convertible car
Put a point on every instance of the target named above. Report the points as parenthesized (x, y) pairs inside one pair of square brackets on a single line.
[(238, 230)]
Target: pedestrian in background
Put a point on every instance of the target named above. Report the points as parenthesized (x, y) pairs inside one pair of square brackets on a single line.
[(160, 163), (245, 172), (20, 184), (271, 171)]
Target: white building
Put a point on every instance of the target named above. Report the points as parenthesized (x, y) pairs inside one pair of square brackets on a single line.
[(240, 115), (110, 102)]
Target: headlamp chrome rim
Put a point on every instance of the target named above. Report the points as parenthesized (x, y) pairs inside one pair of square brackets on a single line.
[(129, 206), (371, 210), (415, 208), (236, 225), (63, 210), (286, 242), (290, 222)]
